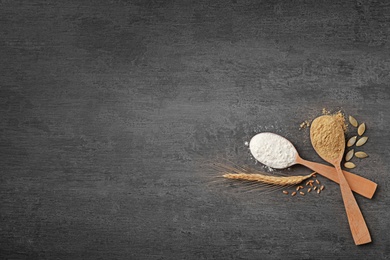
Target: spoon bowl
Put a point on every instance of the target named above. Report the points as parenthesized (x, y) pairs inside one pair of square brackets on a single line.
[(273, 150), (327, 137)]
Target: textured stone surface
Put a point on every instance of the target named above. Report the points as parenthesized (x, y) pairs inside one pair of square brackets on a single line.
[(111, 109)]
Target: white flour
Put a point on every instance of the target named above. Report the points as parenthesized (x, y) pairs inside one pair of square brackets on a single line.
[(273, 150)]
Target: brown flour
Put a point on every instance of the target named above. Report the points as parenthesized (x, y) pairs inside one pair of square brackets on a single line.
[(339, 117), (328, 141)]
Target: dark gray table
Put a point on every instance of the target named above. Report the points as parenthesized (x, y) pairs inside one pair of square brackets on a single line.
[(111, 110)]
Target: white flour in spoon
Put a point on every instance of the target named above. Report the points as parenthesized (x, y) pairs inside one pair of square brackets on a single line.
[(273, 150)]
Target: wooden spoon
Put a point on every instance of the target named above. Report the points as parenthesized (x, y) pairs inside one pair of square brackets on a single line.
[(327, 137), (358, 184)]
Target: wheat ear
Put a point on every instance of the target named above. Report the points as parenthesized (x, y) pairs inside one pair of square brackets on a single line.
[(273, 180)]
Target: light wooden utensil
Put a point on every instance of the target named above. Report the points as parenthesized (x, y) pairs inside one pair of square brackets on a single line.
[(357, 183), (357, 224)]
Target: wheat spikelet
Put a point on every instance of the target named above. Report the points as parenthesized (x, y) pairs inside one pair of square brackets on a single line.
[(264, 178), (253, 178)]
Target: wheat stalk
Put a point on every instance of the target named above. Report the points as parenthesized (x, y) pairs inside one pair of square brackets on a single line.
[(236, 172), (264, 178)]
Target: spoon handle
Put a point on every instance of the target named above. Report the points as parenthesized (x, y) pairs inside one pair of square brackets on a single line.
[(357, 224), (357, 183)]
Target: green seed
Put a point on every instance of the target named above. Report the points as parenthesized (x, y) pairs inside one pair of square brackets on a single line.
[(361, 155), (349, 155), (351, 141), (353, 121), (349, 165), (362, 129), (361, 141)]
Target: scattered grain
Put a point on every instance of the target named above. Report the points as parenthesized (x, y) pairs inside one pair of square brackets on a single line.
[(315, 187), (302, 193), (285, 192), (362, 141), (318, 191), (361, 155), (298, 188), (322, 187), (293, 194), (317, 181), (309, 190)]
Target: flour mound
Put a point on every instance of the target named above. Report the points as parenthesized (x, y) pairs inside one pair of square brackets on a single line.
[(273, 150)]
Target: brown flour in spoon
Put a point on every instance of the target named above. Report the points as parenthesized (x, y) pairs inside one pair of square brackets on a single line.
[(325, 136)]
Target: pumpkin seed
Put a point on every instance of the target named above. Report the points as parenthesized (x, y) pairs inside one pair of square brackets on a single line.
[(361, 129), (351, 141), (353, 121), (361, 141), (349, 165), (349, 155), (361, 155)]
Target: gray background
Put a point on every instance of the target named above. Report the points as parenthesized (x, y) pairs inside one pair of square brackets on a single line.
[(112, 110)]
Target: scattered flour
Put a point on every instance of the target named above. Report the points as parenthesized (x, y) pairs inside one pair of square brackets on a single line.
[(272, 150), (269, 169)]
